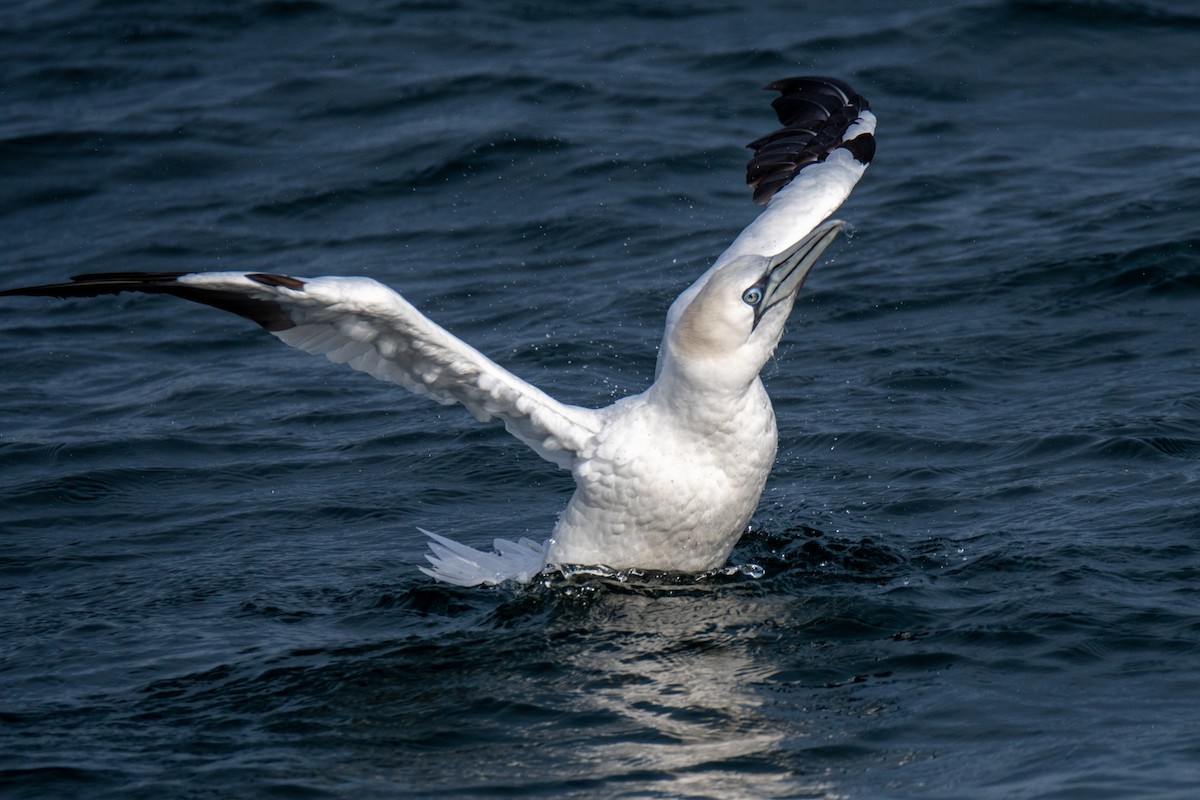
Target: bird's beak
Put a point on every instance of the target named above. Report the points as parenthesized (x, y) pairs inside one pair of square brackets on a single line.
[(787, 270)]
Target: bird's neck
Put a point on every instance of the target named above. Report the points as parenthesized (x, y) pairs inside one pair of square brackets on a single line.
[(703, 403)]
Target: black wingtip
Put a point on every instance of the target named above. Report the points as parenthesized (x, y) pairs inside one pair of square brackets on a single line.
[(266, 313), (815, 112), (94, 284), (272, 279)]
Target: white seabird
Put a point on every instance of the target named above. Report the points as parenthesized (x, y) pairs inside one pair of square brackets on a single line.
[(664, 480)]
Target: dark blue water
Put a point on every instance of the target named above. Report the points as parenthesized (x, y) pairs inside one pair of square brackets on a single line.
[(982, 536)]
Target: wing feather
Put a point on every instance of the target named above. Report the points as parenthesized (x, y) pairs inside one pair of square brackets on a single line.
[(371, 328), (803, 172)]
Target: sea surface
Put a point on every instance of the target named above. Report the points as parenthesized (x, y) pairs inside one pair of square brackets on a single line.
[(980, 545)]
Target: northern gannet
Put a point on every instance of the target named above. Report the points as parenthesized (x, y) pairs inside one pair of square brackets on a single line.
[(664, 480)]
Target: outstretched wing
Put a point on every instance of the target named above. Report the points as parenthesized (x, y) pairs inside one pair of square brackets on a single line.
[(819, 117), (802, 172), (805, 170), (362, 323)]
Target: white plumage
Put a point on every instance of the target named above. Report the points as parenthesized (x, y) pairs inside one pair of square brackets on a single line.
[(666, 479)]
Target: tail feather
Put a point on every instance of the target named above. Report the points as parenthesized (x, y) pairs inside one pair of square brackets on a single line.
[(461, 565)]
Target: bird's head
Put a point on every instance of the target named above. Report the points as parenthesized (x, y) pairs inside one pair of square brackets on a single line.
[(722, 330)]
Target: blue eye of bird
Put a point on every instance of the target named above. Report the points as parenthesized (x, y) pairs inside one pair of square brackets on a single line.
[(752, 296)]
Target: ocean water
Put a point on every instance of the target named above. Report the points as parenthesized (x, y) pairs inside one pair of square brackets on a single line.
[(980, 543)]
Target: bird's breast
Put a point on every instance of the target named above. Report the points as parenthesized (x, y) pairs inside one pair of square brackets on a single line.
[(663, 487)]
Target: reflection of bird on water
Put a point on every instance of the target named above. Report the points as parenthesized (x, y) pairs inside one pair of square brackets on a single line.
[(666, 479)]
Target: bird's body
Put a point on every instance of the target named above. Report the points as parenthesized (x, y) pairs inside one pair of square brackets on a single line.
[(666, 483), (665, 480)]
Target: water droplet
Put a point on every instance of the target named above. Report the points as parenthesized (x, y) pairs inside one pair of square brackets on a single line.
[(752, 570)]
